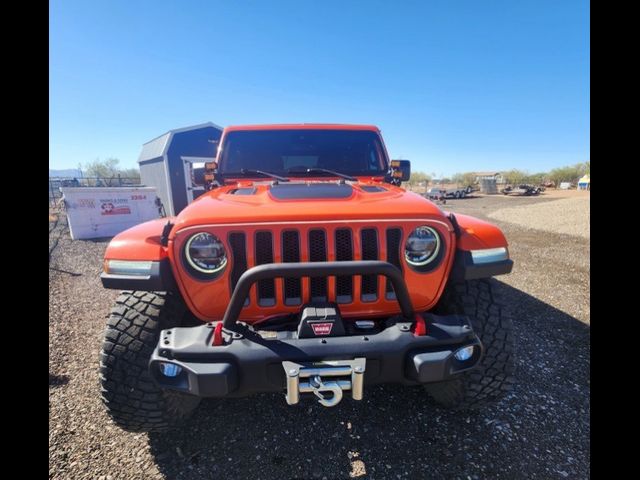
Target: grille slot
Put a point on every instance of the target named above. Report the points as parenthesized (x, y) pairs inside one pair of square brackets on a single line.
[(291, 253), (394, 237), (264, 254), (344, 252), (369, 242), (238, 245), (318, 253)]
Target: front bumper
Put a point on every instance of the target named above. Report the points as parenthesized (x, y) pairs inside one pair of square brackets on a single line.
[(232, 359), (248, 363)]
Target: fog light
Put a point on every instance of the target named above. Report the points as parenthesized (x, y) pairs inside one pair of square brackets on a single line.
[(170, 369), (464, 353)]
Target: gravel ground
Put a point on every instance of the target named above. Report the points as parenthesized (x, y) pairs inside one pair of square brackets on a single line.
[(568, 216), (541, 430)]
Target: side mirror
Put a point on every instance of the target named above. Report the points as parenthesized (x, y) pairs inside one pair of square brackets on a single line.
[(203, 173), (400, 170), (197, 175)]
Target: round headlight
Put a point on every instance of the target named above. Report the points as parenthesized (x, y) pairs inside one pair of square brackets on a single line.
[(205, 253), (422, 246)]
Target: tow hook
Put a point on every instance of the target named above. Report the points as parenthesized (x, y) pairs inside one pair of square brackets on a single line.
[(343, 374), (318, 386)]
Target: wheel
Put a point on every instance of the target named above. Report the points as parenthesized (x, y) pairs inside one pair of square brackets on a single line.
[(133, 400), (493, 377)]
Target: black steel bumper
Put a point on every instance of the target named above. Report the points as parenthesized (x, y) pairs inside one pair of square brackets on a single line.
[(237, 360), (248, 363), (316, 269)]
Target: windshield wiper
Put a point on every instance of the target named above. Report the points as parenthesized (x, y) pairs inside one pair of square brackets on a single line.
[(248, 171), (324, 170)]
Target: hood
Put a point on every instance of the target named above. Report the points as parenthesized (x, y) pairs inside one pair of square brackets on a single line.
[(249, 202)]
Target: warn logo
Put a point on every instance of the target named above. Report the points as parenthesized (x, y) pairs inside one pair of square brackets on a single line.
[(321, 328)]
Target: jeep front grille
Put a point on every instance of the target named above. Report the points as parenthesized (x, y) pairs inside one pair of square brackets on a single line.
[(238, 245), (347, 244), (264, 254), (369, 242), (394, 237), (291, 253), (344, 252), (318, 253)]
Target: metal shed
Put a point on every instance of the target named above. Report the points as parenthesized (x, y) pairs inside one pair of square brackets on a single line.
[(165, 163), (584, 183)]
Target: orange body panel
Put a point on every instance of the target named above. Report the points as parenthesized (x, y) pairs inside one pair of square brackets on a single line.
[(141, 242), (222, 213), (477, 234), (220, 207), (208, 299)]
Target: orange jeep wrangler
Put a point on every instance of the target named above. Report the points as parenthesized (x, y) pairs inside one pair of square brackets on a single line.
[(304, 269)]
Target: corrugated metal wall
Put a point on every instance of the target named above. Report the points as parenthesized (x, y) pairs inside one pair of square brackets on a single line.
[(192, 143), (488, 185), (155, 171), (152, 174)]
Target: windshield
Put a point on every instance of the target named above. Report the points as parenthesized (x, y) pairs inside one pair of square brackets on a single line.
[(292, 152)]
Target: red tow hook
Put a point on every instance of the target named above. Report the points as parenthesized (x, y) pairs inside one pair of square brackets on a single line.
[(420, 327), (216, 340)]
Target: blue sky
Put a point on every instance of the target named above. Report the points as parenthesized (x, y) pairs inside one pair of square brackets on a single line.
[(453, 85)]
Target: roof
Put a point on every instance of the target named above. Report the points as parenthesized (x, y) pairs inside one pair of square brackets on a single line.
[(158, 146), (486, 174), (302, 126)]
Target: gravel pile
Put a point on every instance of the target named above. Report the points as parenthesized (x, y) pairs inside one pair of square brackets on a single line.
[(568, 216), (540, 431)]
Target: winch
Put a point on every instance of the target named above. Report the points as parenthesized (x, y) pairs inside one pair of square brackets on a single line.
[(330, 377)]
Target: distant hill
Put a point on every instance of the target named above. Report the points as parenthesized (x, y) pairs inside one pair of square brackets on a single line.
[(71, 172)]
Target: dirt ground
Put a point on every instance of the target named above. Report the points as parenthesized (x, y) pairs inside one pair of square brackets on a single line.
[(541, 430)]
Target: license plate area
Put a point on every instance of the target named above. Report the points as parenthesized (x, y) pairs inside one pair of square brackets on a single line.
[(325, 379)]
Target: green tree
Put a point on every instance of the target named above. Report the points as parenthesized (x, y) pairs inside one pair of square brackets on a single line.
[(418, 177), (107, 172), (514, 176), (535, 178), (568, 174), (132, 175), (464, 179)]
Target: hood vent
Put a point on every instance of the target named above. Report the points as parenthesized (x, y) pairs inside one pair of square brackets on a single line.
[(243, 191), (373, 189), (304, 191)]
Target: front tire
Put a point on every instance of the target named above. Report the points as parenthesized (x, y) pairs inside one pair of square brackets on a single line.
[(133, 400), (493, 377)]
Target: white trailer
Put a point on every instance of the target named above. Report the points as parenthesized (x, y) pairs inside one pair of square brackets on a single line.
[(439, 193)]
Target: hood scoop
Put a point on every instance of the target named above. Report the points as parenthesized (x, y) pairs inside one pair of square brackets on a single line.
[(243, 191), (373, 189), (309, 191)]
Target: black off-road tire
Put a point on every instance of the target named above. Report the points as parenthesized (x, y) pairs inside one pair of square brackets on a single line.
[(133, 400), (493, 377)]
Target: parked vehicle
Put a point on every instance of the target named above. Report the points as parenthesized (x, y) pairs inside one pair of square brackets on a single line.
[(438, 193), (522, 190), (304, 269)]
